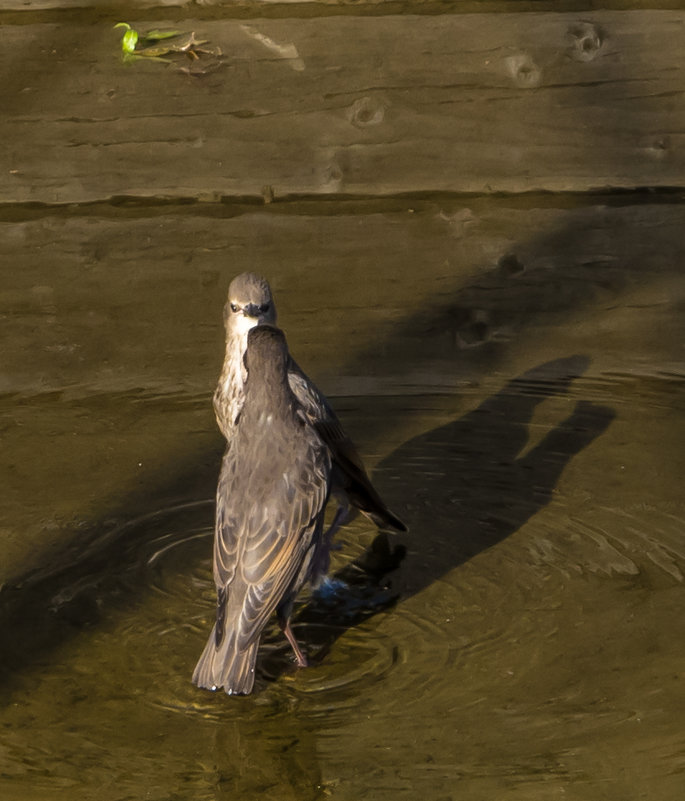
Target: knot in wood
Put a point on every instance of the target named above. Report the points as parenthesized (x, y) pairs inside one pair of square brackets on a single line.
[(367, 111), (509, 265), (659, 147), (586, 40), (524, 71)]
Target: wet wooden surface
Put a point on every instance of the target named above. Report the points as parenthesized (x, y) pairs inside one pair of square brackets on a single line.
[(338, 106)]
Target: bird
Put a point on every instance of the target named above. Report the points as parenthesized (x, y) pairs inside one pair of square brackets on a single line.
[(250, 303), (271, 496)]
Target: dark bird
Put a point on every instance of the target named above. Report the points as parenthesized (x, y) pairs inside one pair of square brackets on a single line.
[(272, 493), (250, 303)]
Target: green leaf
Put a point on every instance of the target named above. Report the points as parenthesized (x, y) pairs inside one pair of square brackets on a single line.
[(130, 58), (156, 36), (129, 39)]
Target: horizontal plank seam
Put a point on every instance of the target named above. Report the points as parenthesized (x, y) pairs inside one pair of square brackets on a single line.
[(86, 14), (605, 195)]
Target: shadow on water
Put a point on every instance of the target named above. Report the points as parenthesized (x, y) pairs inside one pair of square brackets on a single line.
[(482, 486), (479, 489), (77, 587)]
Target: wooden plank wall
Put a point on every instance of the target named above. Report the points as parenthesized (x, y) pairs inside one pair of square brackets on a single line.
[(347, 105), (379, 298)]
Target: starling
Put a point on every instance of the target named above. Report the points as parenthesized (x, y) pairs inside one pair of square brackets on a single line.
[(272, 493), (250, 304)]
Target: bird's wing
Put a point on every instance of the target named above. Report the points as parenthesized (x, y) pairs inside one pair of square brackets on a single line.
[(267, 545), (226, 526), (323, 418), (349, 465)]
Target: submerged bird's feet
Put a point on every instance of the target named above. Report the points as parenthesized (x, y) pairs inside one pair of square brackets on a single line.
[(329, 588), (322, 586)]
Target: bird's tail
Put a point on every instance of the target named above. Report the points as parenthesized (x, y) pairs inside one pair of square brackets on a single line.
[(225, 665), (349, 473), (364, 496), (384, 518)]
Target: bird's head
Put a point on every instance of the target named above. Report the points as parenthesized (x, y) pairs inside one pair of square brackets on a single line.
[(249, 303)]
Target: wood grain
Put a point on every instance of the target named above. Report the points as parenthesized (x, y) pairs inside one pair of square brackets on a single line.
[(348, 106), (375, 298)]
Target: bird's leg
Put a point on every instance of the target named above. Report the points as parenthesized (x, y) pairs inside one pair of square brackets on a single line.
[(299, 656), (322, 584), (343, 514), (322, 557)]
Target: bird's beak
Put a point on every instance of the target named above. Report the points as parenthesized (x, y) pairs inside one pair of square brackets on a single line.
[(251, 310)]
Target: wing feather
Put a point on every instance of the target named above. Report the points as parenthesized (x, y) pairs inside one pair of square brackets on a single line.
[(350, 470), (263, 550)]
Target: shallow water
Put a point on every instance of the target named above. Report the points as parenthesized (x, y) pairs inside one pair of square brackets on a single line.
[(521, 642)]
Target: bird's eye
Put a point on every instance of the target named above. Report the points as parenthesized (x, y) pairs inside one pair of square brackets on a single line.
[(234, 307), (264, 307)]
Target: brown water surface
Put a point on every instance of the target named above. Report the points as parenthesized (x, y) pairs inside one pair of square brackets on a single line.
[(521, 642)]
